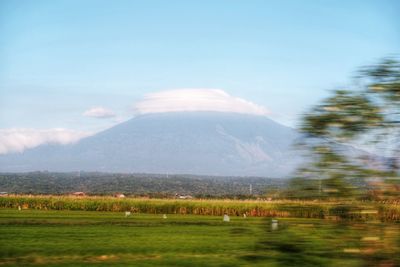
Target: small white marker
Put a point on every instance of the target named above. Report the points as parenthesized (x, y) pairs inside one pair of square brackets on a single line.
[(226, 218), (274, 225)]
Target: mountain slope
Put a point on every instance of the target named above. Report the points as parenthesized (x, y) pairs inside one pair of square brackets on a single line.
[(213, 143)]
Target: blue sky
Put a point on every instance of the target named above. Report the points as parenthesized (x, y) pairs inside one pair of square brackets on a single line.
[(59, 59)]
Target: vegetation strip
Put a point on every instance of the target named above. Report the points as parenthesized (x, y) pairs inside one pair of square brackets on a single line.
[(282, 208)]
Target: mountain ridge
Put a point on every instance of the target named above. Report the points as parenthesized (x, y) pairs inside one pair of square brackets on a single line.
[(204, 143)]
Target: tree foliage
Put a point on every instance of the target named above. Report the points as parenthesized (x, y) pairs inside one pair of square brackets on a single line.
[(369, 112)]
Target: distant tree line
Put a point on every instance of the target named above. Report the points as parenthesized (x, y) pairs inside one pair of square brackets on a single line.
[(153, 185)]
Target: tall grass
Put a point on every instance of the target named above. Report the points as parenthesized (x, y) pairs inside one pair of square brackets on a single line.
[(282, 208)]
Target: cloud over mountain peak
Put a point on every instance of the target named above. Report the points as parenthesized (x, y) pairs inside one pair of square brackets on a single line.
[(196, 100)]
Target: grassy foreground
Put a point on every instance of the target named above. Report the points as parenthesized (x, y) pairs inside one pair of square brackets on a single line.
[(80, 238), (93, 238)]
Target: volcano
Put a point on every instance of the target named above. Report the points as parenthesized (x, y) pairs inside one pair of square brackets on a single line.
[(203, 143)]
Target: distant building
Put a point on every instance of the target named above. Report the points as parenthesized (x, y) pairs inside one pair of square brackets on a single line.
[(118, 195), (3, 194)]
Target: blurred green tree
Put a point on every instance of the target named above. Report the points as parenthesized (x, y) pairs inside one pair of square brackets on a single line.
[(367, 115)]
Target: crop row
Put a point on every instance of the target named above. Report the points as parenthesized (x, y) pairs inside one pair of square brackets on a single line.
[(354, 210)]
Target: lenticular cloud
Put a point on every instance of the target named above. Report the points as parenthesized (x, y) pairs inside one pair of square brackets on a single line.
[(196, 100)]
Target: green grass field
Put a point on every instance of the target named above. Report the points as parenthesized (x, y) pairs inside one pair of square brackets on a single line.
[(82, 238)]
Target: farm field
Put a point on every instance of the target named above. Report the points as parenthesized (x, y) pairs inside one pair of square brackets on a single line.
[(350, 209), (95, 238)]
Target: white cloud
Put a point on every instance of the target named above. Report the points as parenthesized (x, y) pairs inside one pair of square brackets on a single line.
[(196, 100), (19, 139), (99, 112)]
